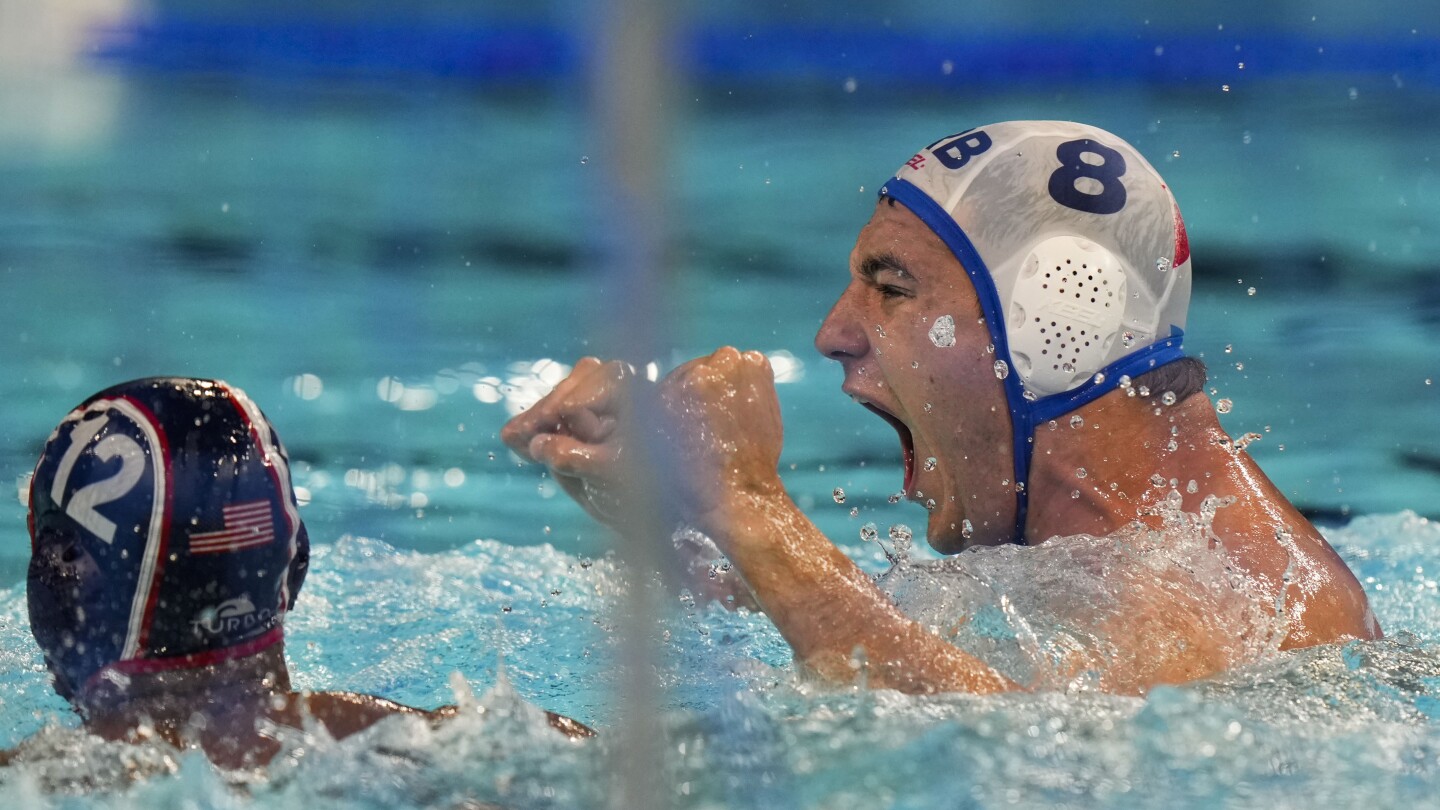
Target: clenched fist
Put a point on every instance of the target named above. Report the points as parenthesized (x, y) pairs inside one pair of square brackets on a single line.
[(710, 431)]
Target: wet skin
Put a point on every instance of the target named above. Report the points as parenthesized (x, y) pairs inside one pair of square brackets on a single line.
[(724, 434), (224, 709)]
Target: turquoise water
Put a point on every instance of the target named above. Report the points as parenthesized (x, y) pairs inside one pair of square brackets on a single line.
[(388, 268)]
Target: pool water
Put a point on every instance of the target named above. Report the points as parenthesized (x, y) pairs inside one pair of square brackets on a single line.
[(391, 269)]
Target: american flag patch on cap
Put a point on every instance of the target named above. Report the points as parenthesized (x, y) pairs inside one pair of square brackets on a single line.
[(247, 524)]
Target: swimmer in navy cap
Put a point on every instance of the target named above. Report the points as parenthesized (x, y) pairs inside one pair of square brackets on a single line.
[(1016, 310), (166, 551)]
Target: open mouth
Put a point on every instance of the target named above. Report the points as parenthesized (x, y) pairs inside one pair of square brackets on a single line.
[(907, 441)]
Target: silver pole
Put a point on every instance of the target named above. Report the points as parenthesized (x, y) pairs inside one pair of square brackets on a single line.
[(630, 86)]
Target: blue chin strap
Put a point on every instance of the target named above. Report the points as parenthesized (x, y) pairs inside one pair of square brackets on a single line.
[(1025, 414)]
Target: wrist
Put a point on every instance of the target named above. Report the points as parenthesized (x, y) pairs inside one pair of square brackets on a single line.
[(736, 510)]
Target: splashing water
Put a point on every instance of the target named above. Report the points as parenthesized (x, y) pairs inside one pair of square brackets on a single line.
[(1050, 616), (1336, 726), (942, 332)]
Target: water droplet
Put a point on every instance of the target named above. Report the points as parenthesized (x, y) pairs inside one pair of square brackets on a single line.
[(1052, 424), (942, 334), (1074, 494), (895, 498), (1144, 390), (1175, 155), (1099, 377), (1124, 381), (854, 511), (1168, 397), (1224, 88), (879, 330), (1229, 348), (967, 529), (1250, 291), (1030, 396), (1157, 480), (901, 536), (1239, 366), (1223, 406), (868, 532), (838, 495), (1162, 264), (1192, 487), (930, 464), (1077, 421), (1002, 369), (930, 504), (1172, 446), (1080, 472), (914, 364), (929, 407), (851, 84), (584, 159), (1245, 137), (1067, 367), (1128, 338)]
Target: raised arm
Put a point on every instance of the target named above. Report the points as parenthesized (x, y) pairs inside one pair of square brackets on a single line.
[(721, 422)]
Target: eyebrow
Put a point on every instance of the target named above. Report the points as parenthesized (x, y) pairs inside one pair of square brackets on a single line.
[(874, 265)]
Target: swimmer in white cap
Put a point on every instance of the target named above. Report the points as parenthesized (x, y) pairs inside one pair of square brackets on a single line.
[(166, 551), (1015, 311)]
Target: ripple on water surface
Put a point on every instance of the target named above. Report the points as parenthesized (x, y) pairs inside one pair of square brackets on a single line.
[(1344, 725)]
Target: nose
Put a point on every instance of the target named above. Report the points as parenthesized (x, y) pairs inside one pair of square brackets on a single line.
[(841, 334)]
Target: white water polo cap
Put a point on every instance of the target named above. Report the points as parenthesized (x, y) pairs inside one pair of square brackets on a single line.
[(1077, 252)]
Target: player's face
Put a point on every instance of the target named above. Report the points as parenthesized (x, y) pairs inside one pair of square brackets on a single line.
[(944, 401)]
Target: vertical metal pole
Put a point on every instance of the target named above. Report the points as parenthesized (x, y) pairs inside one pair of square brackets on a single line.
[(630, 78)]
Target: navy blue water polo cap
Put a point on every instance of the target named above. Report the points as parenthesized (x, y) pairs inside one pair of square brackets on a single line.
[(164, 532)]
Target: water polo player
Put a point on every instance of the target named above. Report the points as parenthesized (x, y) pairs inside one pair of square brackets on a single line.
[(166, 550), (1015, 310)]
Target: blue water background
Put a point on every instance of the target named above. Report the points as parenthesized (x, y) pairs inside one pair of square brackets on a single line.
[(206, 191)]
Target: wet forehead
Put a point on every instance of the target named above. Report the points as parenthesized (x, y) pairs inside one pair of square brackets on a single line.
[(894, 231)]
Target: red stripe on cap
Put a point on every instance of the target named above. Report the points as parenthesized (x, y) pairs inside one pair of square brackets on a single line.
[(1182, 241), (143, 666), (160, 555), (282, 488)]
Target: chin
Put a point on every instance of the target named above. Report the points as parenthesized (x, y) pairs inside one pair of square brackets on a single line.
[(943, 533)]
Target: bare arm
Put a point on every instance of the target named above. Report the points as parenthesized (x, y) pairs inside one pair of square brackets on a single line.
[(724, 428), (345, 713), (832, 613)]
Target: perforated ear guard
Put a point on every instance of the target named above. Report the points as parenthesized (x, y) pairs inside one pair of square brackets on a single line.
[(1065, 312)]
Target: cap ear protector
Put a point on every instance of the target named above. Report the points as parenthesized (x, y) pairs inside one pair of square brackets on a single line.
[(1077, 253), (1065, 313)]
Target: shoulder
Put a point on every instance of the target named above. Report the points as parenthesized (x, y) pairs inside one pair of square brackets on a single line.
[(345, 713)]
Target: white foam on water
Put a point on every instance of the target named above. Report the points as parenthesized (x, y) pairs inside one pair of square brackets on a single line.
[(1342, 725)]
